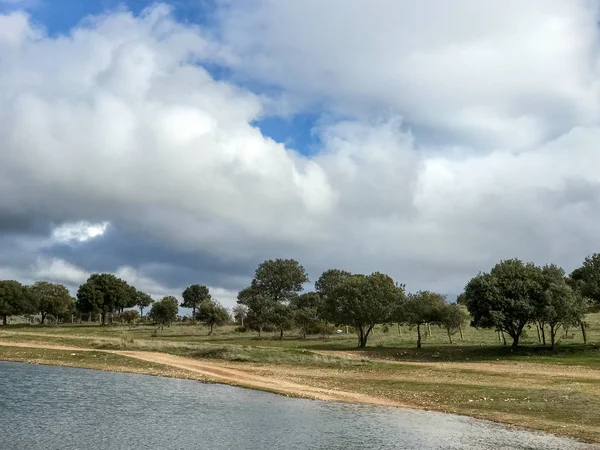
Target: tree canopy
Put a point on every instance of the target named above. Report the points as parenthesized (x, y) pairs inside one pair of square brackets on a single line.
[(363, 301), (505, 298), (280, 279), (211, 312), (142, 300), (422, 307), (193, 296), (15, 299), (51, 298), (104, 293), (164, 311)]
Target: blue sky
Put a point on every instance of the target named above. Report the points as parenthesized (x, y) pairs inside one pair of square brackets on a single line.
[(425, 140)]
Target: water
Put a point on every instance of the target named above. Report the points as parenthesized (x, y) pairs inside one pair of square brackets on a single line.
[(56, 408)]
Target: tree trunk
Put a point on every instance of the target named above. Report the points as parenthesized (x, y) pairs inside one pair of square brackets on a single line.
[(461, 334), (583, 333), (43, 318), (103, 318), (553, 331), (515, 343), (418, 336), (259, 330), (543, 335), (4, 320), (399, 331), (450, 337), (537, 327), (281, 333), (193, 312), (211, 329), (503, 337), (499, 337)]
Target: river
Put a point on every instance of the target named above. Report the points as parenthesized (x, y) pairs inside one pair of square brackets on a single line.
[(56, 408)]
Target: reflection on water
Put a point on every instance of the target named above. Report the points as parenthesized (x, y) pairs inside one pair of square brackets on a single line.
[(52, 408)]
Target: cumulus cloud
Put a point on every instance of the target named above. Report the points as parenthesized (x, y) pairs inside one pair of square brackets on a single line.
[(469, 134), (508, 74)]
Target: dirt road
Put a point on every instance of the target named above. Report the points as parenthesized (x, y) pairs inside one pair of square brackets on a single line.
[(222, 373)]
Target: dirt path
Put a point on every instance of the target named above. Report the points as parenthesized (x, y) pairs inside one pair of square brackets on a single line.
[(222, 373)]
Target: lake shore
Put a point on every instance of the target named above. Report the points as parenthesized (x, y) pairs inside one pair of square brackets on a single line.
[(348, 377)]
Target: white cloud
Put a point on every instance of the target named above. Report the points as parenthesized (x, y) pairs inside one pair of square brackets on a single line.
[(79, 231), (60, 271), (131, 130), (505, 74)]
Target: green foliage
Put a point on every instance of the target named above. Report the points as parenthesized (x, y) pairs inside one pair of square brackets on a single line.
[(329, 280), (506, 298), (282, 317), (363, 302), (142, 300), (453, 317), (164, 312), (280, 279), (211, 313), (130, 316), (587, 277), (562, 307), (308, 309), (104, 293), (259, 308), (51, 298), (193, 296), (15, 299), (423, 307)]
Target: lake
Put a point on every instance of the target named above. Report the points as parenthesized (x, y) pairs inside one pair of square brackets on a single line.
[(55, 408)]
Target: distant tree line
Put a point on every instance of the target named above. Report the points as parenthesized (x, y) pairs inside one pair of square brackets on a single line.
[(512, 296)]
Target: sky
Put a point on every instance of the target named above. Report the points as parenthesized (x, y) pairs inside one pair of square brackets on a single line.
[(184, 142)]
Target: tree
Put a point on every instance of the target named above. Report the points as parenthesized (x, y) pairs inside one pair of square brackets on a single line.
[(588, 276), (308, 309), (279, 279), (211, 313), (422, 308), (506, 298), (193, 296), (259, 308), (329, 280), (142, 300), (562, 307), (281, 316), (130, 316), (102, 293), (240, 312), (164, 311), (550, 275), (452, 318), (51, 298), (15, 299), (363, 302)]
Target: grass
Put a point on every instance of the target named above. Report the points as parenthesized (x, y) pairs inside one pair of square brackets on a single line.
[(533, 386)]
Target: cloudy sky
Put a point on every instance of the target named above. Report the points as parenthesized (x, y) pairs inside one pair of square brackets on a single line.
[(187, 141)]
